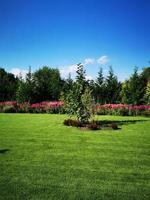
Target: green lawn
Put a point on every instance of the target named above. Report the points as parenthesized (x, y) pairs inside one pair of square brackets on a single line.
[(42, 159)]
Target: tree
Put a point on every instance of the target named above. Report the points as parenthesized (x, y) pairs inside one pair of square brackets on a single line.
[(79, 100), (145, 75), (47, 83), (8, 86), (21, 93), (147, 93), (125, 93), (144, 82), (135, 88), (99, 88), (113, 88), (68, 85), (132, 89), (25, 89)]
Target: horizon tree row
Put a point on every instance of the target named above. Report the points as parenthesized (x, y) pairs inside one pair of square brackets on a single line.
[(46, 84)]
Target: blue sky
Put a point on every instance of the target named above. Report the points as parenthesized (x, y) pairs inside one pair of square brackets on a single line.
[(62, 33)]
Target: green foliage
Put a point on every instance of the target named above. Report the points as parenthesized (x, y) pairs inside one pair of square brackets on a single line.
[(68, 84), (132, 90), (78, 101), (21, 93), (147, 93), (47, 83), (99, 88), (113, 88), (86, 99), (8, 85), (9, 109), (42, 85), (25, 89), (125, 92)]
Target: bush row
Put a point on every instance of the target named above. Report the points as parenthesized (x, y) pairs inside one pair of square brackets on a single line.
[(122, 110), (58, 107), (43, 107)]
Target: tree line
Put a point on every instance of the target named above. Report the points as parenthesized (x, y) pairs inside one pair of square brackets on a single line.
[(46, 84)]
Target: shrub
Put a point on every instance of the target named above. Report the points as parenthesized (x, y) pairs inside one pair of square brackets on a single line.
[(93, 126), (9, 109), (114, 126), (78, 101), (1, 108), (123, 110), (23, 108), (71, 122)]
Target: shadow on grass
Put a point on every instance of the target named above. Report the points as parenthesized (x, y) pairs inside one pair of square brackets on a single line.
[(2, 151), (118, 122)]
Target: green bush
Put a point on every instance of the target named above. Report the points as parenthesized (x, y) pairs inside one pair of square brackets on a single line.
[(120, 112), (9, 109), (1, 108)]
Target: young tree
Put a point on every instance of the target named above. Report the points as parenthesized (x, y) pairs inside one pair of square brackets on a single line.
[(79, 99), (21, 93)]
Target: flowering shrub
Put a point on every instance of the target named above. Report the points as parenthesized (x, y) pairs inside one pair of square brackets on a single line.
[(43, 107), (122, 110), (23, 107), (58, 107), (8, 106), (47, 107)]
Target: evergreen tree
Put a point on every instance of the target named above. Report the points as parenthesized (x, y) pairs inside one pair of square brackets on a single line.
[(135, 88), (99, 88), (113, 88), (21, 93), (68, 84), (8, 86), (25, 89)]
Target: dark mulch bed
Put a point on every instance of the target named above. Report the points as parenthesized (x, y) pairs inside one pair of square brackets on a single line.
[(93, 125)]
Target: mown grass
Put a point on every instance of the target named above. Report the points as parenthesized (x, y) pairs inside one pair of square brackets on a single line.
[(41, 159)]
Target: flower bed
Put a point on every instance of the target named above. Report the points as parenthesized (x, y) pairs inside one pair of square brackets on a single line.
[(122, 110), (43, 107), (58, 107)]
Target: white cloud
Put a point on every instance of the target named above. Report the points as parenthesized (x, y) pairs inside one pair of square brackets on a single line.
[(88, 61), (66, 70), (88, 77), (103, 60), (17, 72)]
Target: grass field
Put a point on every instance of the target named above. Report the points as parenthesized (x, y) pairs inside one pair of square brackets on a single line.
[(41, 159)]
